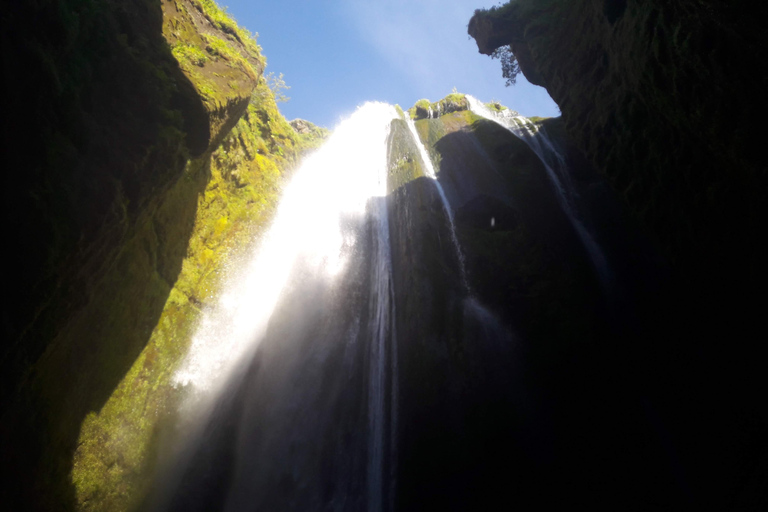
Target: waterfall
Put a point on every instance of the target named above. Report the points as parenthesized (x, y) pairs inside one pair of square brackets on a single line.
[(344, 367), (559, 176), (258, 343), (380, 307), (430, 171)]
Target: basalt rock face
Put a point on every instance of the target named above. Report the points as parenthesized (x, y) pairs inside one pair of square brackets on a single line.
[(138, 134), (665, 98)]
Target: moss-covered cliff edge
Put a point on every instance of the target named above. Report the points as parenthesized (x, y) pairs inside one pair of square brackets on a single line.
[(667, 99), (146, 150)]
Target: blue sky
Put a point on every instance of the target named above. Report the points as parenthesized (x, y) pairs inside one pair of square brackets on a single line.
[(336, 55)]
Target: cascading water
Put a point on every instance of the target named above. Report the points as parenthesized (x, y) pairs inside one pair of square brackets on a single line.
[(299, 359), (430, 171), (558, 174), (330, 187), (290, 336)]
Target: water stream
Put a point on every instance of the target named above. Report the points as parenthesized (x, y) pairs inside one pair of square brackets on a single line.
[(430, 171), (559, 176)]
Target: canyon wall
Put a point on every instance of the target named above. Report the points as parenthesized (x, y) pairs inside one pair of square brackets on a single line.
[(146, 151), (666, 99)]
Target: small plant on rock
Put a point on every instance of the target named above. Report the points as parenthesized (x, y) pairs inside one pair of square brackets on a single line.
[(509, 65), (277, 85)]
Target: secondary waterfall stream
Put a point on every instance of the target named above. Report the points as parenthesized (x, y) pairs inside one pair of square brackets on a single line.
[(558, 174), (430, 171)]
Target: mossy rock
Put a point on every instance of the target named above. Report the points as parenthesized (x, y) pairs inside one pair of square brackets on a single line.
[(222, 61), (404, 160), (423, 109)]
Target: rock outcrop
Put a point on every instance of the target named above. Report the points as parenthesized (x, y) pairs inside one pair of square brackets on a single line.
[(301, 126), (310, 133), (423, 109)]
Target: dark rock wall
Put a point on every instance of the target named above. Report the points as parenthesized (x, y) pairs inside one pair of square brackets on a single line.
[(667, 100), (93, 128), (91, 134), (664, 98), (490, 384), (101, 123)]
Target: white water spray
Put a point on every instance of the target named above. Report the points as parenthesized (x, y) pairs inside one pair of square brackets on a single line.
[(334, 183), (430, 171), (558, 174)]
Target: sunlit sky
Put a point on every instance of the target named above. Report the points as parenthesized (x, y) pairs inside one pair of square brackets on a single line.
[(337, 54)]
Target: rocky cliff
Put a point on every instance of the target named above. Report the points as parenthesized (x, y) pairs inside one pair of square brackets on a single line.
[(666, 99), (146, 150)]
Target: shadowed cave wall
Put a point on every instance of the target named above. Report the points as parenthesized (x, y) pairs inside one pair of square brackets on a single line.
[(667, 100)]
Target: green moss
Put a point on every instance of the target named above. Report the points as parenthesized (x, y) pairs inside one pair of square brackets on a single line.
[(403, 156), (423, 109), (189, 54), (221, 19), (454, 97), (231, 60), (496, 106)]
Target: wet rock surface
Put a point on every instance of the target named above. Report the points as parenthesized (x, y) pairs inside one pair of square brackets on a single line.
[(489, 213)]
